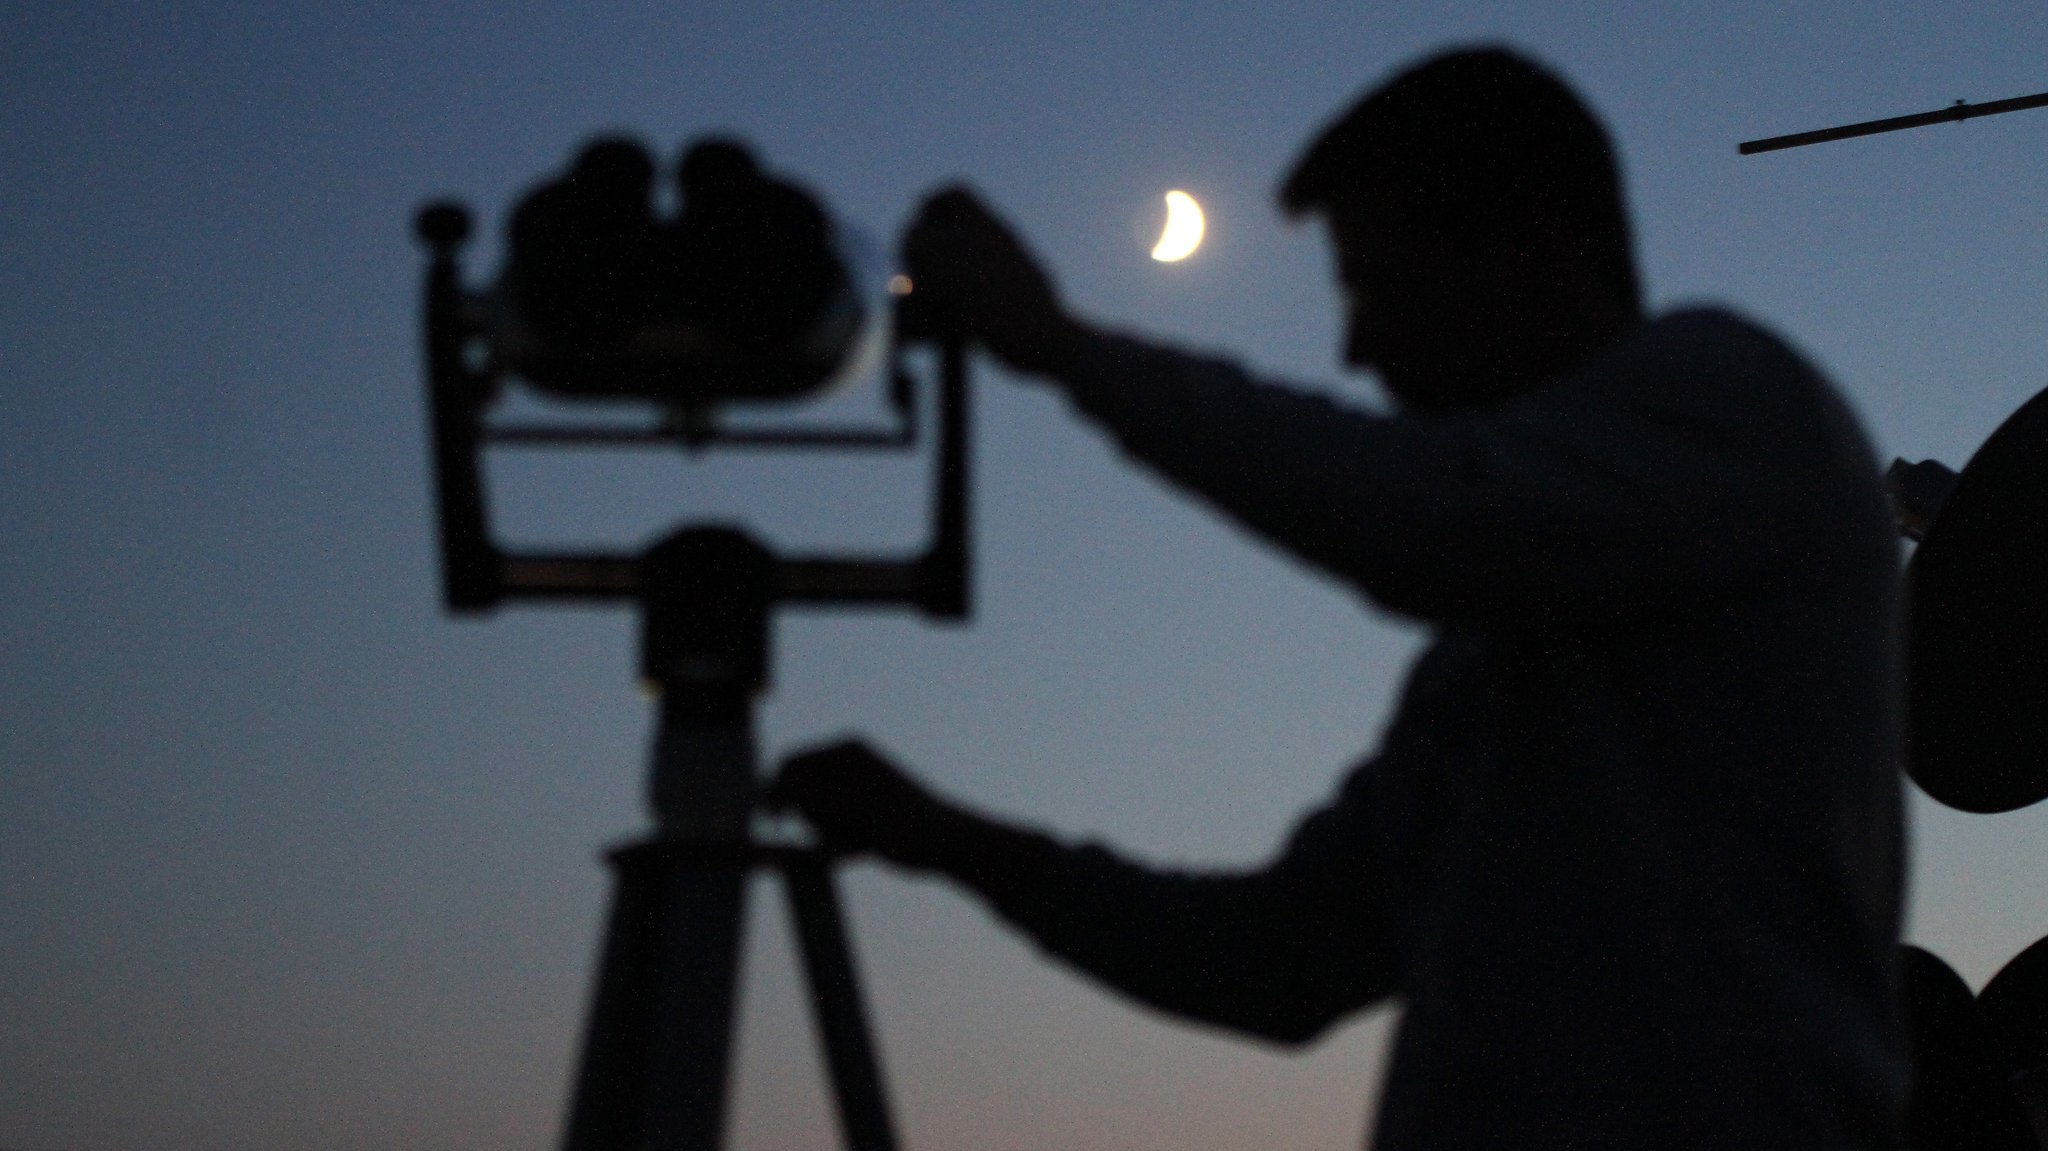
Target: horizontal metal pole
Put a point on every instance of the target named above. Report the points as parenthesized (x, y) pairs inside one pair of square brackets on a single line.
[(850, 581), (612, 577), (569, 577), (720, 854), (1958, 111), (521, 435)]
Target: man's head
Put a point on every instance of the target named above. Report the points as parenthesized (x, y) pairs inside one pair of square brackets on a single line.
[(1476, 209)]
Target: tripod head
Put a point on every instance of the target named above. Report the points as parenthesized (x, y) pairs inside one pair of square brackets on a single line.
[(475, 348)]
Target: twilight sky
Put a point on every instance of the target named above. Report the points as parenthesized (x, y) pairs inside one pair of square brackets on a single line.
[(287, 858)]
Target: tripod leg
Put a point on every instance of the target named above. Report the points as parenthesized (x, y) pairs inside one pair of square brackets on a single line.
[(604, 1113), (835, 998), (690, 1050), (653, 1073)]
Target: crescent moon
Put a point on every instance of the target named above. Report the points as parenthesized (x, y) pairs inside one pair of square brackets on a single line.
[(1184, 226)]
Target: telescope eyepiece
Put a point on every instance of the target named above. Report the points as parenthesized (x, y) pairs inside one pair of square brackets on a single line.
[(614, 162), (741, 293), (716, 167), (442, 226)]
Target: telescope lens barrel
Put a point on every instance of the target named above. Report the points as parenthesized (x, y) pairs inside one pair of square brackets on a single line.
[(742, 295)]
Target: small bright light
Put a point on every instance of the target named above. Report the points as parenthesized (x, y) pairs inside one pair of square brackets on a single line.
[(899, 285), (1184, 227)]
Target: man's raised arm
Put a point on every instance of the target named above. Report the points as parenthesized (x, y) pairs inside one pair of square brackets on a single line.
[(1696, 458), (1693, 462)]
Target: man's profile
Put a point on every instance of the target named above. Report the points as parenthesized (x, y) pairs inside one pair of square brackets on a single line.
[(1630, 849)]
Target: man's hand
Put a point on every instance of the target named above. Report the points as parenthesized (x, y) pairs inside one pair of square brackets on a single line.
[(978, 275), (859, 801)]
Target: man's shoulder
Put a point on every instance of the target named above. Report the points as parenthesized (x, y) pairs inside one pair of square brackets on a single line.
[(1717, 341), (1711, 316), (1732, 380), (1442, 676)]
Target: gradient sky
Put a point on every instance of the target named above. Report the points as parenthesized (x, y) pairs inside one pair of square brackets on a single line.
[(288, 858)]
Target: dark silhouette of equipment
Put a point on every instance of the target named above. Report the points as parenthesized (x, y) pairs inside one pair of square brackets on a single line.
[(573, 317), (1977, 630), (1954, 113), (1976, 678), (1959, 1100), (2014, 1006)]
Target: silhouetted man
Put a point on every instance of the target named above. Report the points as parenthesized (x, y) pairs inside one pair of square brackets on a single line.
[(1630, 852)]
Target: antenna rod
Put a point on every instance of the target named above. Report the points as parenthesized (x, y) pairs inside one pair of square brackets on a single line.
[(1960, 110)]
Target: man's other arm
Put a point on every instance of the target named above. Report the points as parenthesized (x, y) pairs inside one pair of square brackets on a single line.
[(1280, 953)]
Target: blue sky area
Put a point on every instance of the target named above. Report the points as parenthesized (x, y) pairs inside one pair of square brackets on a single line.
[(288, 858)]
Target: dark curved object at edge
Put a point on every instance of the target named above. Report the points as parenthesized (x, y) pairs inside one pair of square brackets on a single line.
[(1977, 632), (1959, 1100)]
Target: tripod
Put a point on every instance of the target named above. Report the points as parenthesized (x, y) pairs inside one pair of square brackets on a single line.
[(657, 1049), (655, 1056)]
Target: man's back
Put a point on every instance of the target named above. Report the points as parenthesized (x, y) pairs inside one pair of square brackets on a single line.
[(1631, 850), (1667, 890)]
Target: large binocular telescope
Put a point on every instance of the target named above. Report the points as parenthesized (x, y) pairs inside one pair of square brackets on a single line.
[(744, 294)]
